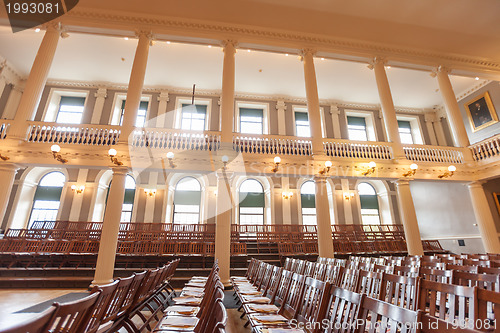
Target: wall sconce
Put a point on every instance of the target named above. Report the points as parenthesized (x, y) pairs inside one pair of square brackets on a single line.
[(4, 158), (112, 153), (225, 159), (412, 171), (328, 165), (449, 173), (348, 195), (55, 150), (170, 157), (277, 161), (78, 189), (371, 168), (287, 195), (150, 193)]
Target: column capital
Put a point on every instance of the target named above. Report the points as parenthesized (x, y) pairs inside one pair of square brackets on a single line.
[(307, 52), (280, 105), (476, 184), (53, 26), (101, 93), (334, 109), (430, 116), (377, 61), (120, 170), (144, 33), (221, 174), (320, 179), (163, 97), (443, 69), (229, 44), (402, 182)]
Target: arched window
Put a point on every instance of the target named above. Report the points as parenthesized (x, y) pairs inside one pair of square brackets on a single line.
[(128, 200), (252, 203), (47, 197), (187, 199), (308, 203), (369, 204)]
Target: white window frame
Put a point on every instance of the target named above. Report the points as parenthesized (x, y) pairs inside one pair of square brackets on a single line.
[(252, 105), (187, 100), (302, 108), (114, 118), (371, 132), (54, 101), (415, 126)]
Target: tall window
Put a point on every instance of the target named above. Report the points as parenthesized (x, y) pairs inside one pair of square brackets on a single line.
[(405, 132), (356, 127), (187, 199), (251, 202), (47, 198), (70, 110), (302, 124), (251, 121), (193, 117), (141, 114), (369, 204), (128, 200), (308, 203)]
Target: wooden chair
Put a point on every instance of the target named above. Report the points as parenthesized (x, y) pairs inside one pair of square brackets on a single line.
[(342, 310), (320, 272), (383, 268), (482, 281), (488, 307), (369, 283), (436, 275), (410, 271), (448, 302), (463, 268), (107, 293), (333, 274), (349, 279), (378, 316), (400, 291), (38, 324), (73, 317), (313, 304)]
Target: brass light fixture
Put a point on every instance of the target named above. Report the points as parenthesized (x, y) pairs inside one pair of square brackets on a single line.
[(55, 150), (170, 157), (112, 153), (4, 158), (287, 195), (328, 165), (348, 195), (150, 193), (412, 171), (78, 189), (225, 160), (449, 173), (371, 168), (277, 161)]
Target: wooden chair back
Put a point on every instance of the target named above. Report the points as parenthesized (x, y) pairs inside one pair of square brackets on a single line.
[(383, 268), (448, 302), (400, 290), (369, 283), (349, 279), (312, 308), (274, 284), (119, 296), (436, 275), (333, 274), (72, 317), (320, 272), (482, 281), (283, 287), (107, 292), (129, 297), (218, 318), (463, 268), (411, 271), (37, 324), (378, 316), (342, 310), (292, 302), (488, 307)]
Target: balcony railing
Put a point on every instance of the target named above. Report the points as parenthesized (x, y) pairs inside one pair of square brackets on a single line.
[(175, 139), (4, 128), (97, 135), (271, 144), (486, 149), (353, 149), (434, 154)]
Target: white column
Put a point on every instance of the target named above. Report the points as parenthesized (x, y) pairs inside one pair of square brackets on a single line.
[(223, 224), (36, 82), (13, 101), (227, 98), (324, 224), (409, 218), (287, 213), (100, 97), (387, 104), (150, 201), (135, 85), (429, 119), (312, 101), (460, 138), (484, 218), (281, 108), (335, 113), (110, 228), (161, 120), (438, 127), (76, 204), (347, 203), (7, 175)]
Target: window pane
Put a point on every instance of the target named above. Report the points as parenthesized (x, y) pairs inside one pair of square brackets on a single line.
[(357, 133), (307, 188), (188, 184), (303, 130), (370, 216), (309, 216), (53, 179), (250, 127), (129, 183), (251, 185), (366, 189), (406, 138), (70, 110), (44, 211)]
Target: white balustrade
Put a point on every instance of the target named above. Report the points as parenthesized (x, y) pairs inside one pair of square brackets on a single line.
[(271, 144), (175, 139), (437, 154), (4, 127), (486, 148), (100, 135), (353, 149)]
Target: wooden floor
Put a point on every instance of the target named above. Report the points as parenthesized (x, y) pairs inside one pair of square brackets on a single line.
[(13, 300)]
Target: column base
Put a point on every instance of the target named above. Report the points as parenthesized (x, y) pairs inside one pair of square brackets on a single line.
[(99, 283)]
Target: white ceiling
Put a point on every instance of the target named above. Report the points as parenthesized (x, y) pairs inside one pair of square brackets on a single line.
[(92, 58)]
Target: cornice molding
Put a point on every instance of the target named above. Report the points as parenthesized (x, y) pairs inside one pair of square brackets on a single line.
[(8, 72), (472, 90), (320, 42)]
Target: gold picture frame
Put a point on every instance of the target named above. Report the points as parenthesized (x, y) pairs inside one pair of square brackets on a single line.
[(481, 112), (496, 196)]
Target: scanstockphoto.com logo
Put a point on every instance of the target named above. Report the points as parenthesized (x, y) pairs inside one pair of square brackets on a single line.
[(26, 14)]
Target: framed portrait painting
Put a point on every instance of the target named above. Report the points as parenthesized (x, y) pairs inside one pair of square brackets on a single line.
[(481, 112)]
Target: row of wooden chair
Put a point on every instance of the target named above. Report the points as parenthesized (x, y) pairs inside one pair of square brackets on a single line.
[(473, 303), (108, 308)]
